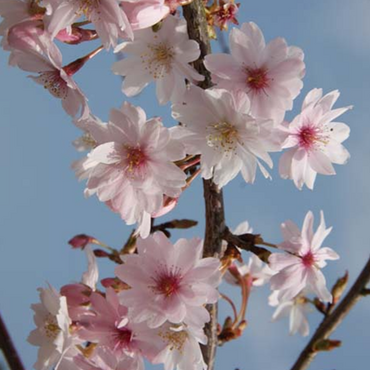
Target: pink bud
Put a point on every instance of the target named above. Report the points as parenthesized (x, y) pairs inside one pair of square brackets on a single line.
[(81, 240), (76, 36)]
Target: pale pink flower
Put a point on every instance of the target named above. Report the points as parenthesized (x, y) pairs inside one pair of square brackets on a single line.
[(134, 168), (182, 351), (14, 12), (144, 13), (78, 294), (270, 74), (110, 327), (52, 333), (217, 124), (109, 20), (169, 282), (33, 51), (104, 359), (296, 309), (259, 271), (315, 140), (301, 266), (162, 56)]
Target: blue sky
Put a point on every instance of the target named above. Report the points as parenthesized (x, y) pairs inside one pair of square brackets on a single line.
[(42, 205)]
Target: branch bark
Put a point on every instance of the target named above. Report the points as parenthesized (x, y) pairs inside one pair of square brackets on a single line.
[(215, 218), (8, 348), (333, 320)]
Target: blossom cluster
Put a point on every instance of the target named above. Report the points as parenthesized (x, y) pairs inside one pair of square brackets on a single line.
[(293, 274), (153, 310)]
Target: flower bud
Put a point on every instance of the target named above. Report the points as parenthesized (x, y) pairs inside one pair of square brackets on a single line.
[(81, 241)]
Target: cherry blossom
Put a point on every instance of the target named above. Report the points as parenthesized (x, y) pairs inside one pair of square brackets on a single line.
[(216, 124), (259, 271), (315, 140), (14, 12), (32, 50), (52, 333), (270, 74), (111, 328), (296, 309), (169, 282), (134, 168), (162, 56), (107, 17), (182, 351), (301, 266)]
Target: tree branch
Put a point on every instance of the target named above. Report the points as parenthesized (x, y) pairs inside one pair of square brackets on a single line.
[(8, 348), (330, 323), (215, 219)]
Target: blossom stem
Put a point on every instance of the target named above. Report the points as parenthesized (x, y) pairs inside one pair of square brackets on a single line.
[(333, 320), (195, 16), (246, 284), (227, 299), (8, 348)]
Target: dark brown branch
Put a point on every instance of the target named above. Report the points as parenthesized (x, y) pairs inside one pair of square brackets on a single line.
[(215, 219), (8, 348), (330, 323)]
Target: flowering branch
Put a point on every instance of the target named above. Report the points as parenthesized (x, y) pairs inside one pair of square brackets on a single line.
[(195, 16), (9, 351), (330, 322)]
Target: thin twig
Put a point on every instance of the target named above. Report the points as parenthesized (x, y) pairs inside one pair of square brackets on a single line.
[(330, 323), (8, 348), (194, 14), (247, 242)]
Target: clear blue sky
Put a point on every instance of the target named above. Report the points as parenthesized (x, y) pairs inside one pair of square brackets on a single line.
[(42, 205)]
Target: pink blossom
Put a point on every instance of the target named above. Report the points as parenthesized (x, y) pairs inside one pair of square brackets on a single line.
[(18, 11), (52, 333), (144, 13), (270, 74), (162, 56), (134, 168), (33, 51), (111, 328), (78, 294), (256, 269), (107, 17), (104, 359), (301, 266), (169, 282), (315, 140), (296, 309), (217, 124), (182, 350)]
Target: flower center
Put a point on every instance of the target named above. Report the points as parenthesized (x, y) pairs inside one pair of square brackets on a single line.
[(88, 6), (167, 282), (53, 82), (310, 136), (51, 327), (308, 259), (175, 338), (159, 59), (122, 338), (257, 79), (135, 157), (223, 136)]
